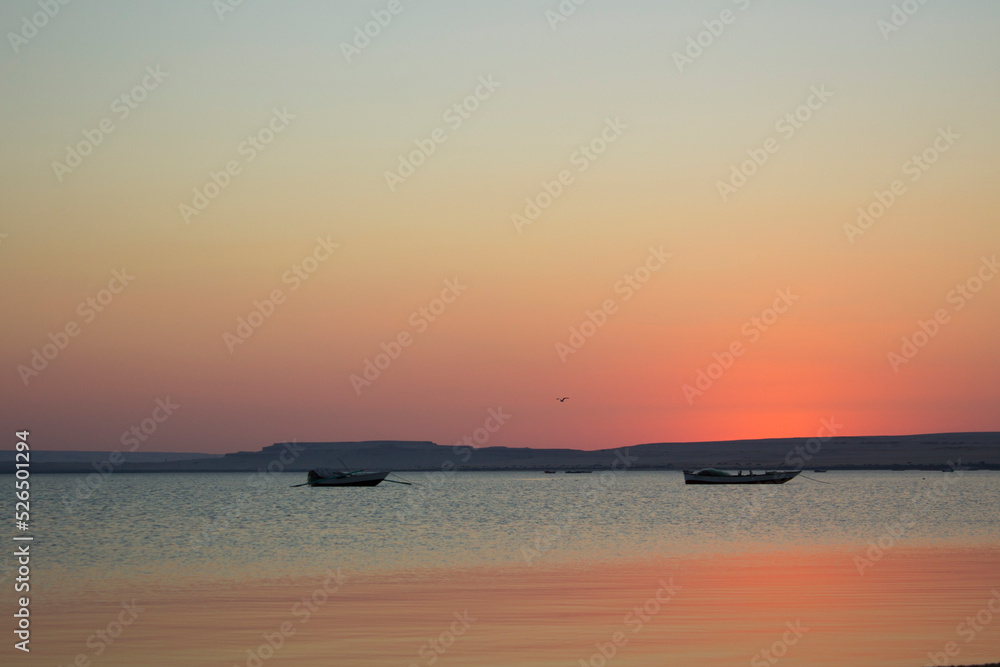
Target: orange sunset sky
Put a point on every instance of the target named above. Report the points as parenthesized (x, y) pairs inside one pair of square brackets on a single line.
[(275, 159)]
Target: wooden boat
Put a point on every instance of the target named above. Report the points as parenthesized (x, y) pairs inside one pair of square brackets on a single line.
[(715, 476), (326, 477)]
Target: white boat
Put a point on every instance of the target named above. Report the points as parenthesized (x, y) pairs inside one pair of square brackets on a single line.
[(715, 476), (325, 477)]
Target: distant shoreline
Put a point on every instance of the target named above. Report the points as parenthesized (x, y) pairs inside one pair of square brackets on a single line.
[(928, 452), (79, 468)]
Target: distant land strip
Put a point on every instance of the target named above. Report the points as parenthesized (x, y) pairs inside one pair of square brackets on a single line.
[(942, 451)]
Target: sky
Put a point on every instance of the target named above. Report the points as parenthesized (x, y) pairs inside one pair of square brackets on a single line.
[(229, 224)]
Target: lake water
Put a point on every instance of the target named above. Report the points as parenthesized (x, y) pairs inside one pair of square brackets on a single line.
[(632, 568)]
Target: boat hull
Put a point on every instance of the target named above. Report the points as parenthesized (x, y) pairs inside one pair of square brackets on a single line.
[(368, 479), (779, 477)]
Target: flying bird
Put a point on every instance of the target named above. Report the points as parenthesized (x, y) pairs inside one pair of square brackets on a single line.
[(562, 399)]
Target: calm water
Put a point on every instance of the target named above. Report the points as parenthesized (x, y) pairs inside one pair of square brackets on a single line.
[(548, 564), (190, 526)]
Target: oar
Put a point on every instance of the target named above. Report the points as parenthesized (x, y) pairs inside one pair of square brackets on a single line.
[(816, 480), (295, 486), (395, 482), (404, 480)]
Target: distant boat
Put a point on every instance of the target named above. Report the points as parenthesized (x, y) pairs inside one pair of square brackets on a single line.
[(551, 472), (714, 476), (326, 477), (820, 470), (579, 472)]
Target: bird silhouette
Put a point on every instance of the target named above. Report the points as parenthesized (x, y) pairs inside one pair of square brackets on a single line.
[(562, 399)]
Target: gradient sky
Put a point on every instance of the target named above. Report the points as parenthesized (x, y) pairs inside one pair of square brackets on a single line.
[(496, 345)]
